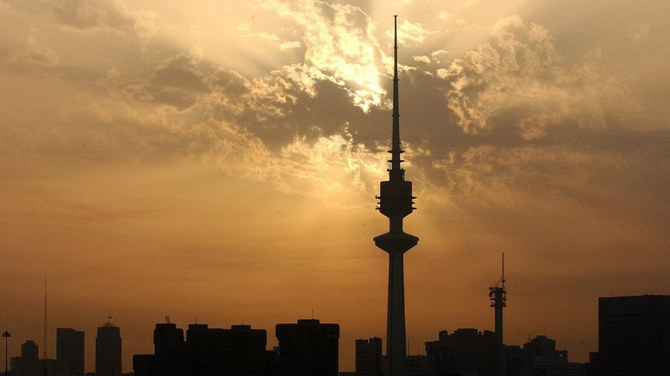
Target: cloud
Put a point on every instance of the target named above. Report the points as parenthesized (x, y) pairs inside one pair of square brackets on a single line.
[(178, 82), (32, 52), (517, 83), (640, 31), (410, 33), (339, 47), (86, 15), (444, 15), (422, 59), (290, 45), (465, 122), (438, 55)]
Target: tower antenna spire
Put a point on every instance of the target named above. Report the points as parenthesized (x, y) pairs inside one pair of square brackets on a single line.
[(396, 172)]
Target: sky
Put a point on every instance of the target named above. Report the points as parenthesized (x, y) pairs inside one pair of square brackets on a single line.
[(217, 161)]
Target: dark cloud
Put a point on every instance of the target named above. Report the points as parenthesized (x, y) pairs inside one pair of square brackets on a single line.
[(86, 15), (178, 82), (29, 54), (505, 111)]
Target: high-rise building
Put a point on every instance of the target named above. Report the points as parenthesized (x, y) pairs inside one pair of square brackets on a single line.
[(395, 202), (29, 351), (170, 359), (369, 357), (634, 335), (308, 348), (28, 363), (465, 351), (239, 350), (108, 351), (69, 352)]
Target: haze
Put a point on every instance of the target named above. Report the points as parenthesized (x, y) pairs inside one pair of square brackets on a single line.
[(218, 160)]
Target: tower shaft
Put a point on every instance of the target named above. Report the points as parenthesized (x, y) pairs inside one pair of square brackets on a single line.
[(396, 337), (498, 305), (395, 202)]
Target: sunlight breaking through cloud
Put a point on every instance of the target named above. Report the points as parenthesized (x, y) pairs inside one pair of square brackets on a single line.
[(338, 46)]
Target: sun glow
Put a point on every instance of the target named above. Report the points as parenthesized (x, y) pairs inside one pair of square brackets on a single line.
[(332, 167)]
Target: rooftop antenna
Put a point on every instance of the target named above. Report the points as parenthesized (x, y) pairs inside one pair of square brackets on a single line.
[(45, 321), (501, 281), (503, 270), (46, 369)]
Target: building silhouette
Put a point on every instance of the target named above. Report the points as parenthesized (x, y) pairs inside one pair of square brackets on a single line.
[(169, 356), (308, 348), (542, 358), (417, 365), (69, 352), (238, 351), (108, 350), (634, 335), (28, 364), (474, 353), (515, 359), (395, 202), (369, 357), (465, 351)]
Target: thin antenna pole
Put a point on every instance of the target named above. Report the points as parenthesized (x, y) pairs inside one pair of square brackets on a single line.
[(45, 322), (503, 269)]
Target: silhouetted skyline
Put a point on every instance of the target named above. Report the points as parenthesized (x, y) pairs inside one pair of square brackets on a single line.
[(218, 161), (633, 340)]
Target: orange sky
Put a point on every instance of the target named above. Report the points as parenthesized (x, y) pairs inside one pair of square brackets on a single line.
[(219, 161)]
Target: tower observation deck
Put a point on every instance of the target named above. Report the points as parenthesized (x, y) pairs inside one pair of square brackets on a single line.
[(396, 202)]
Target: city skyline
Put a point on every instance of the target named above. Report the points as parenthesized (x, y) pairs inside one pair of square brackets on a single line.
[(218, 163)]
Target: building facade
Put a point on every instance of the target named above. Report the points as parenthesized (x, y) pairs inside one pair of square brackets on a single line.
[(108, 351), (369, 357), (29, 364), (238, 351), (69, 352), (308, 348), (634, 335)]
